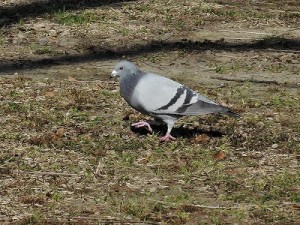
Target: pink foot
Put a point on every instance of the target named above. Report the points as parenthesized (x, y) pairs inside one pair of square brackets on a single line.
[(142, 124), (167, 137)]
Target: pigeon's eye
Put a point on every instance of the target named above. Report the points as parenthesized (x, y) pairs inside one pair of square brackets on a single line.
[(121, 68)]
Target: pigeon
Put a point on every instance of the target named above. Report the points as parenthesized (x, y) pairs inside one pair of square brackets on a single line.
[(161, 98)]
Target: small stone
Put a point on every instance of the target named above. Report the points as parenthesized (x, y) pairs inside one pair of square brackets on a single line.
[(43, 41), (152, 189), (67, 42), (21, 36), (53, 33), (274, 145), (260, 124)]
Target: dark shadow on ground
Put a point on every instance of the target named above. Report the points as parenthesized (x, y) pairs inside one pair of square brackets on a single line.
[(13, 14), (178, 132), (95, 53)]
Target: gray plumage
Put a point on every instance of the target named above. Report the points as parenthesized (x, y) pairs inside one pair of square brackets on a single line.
[(161, 97)]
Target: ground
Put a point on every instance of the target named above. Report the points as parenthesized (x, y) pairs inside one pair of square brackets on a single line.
[(68, 154)]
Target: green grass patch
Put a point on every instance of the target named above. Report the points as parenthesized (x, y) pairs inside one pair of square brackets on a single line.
[(74, 18)]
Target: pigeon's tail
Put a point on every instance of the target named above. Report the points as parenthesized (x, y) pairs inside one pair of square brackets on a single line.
[(232, 114)]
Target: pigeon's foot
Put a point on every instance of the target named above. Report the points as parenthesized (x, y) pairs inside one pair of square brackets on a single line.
[(167, 137), (142, 124)]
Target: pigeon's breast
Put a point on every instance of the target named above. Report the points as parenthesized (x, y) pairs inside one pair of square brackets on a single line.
[(127, 87)]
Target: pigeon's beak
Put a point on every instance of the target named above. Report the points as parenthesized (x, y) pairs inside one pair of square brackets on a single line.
[(113, 73)]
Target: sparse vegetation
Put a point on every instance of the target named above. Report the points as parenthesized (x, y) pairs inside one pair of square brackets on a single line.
[(74, 18), (75, 146)]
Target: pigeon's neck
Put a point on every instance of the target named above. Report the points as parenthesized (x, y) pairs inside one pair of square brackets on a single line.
[(128, 84)]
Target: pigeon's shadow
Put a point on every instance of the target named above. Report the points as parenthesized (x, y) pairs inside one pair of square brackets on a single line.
[(177, 132)]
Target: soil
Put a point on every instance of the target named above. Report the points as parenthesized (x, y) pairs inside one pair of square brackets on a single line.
[(38, 47)]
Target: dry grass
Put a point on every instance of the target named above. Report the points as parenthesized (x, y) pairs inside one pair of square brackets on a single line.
[(68, 155)]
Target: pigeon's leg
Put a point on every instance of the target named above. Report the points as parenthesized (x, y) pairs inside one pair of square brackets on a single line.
[(142, 124), (168, 135)]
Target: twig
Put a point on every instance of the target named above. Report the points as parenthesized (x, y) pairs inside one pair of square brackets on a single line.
[(248, 32), (239, 38), (198, 206), (205, 68), (246, 80), (96, 81), (51, 173), (103, 220), (291, 204), (214, 207), (281, 50)]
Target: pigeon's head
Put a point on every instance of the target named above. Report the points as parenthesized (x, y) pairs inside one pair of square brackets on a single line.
[(124, 68)]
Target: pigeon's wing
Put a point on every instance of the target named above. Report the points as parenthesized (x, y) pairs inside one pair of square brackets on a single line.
[(158, 95), (204, 106), (153, 92)]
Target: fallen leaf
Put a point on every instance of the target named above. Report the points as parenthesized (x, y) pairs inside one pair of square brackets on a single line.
[(219, 155), (126, 117), (60, 132), (100, 170), (296, 207), (49, 94), (144, 159), (233, 171), (201, 138), (72, 79)]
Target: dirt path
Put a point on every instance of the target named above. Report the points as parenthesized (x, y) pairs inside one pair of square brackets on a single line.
[(44, 40)]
